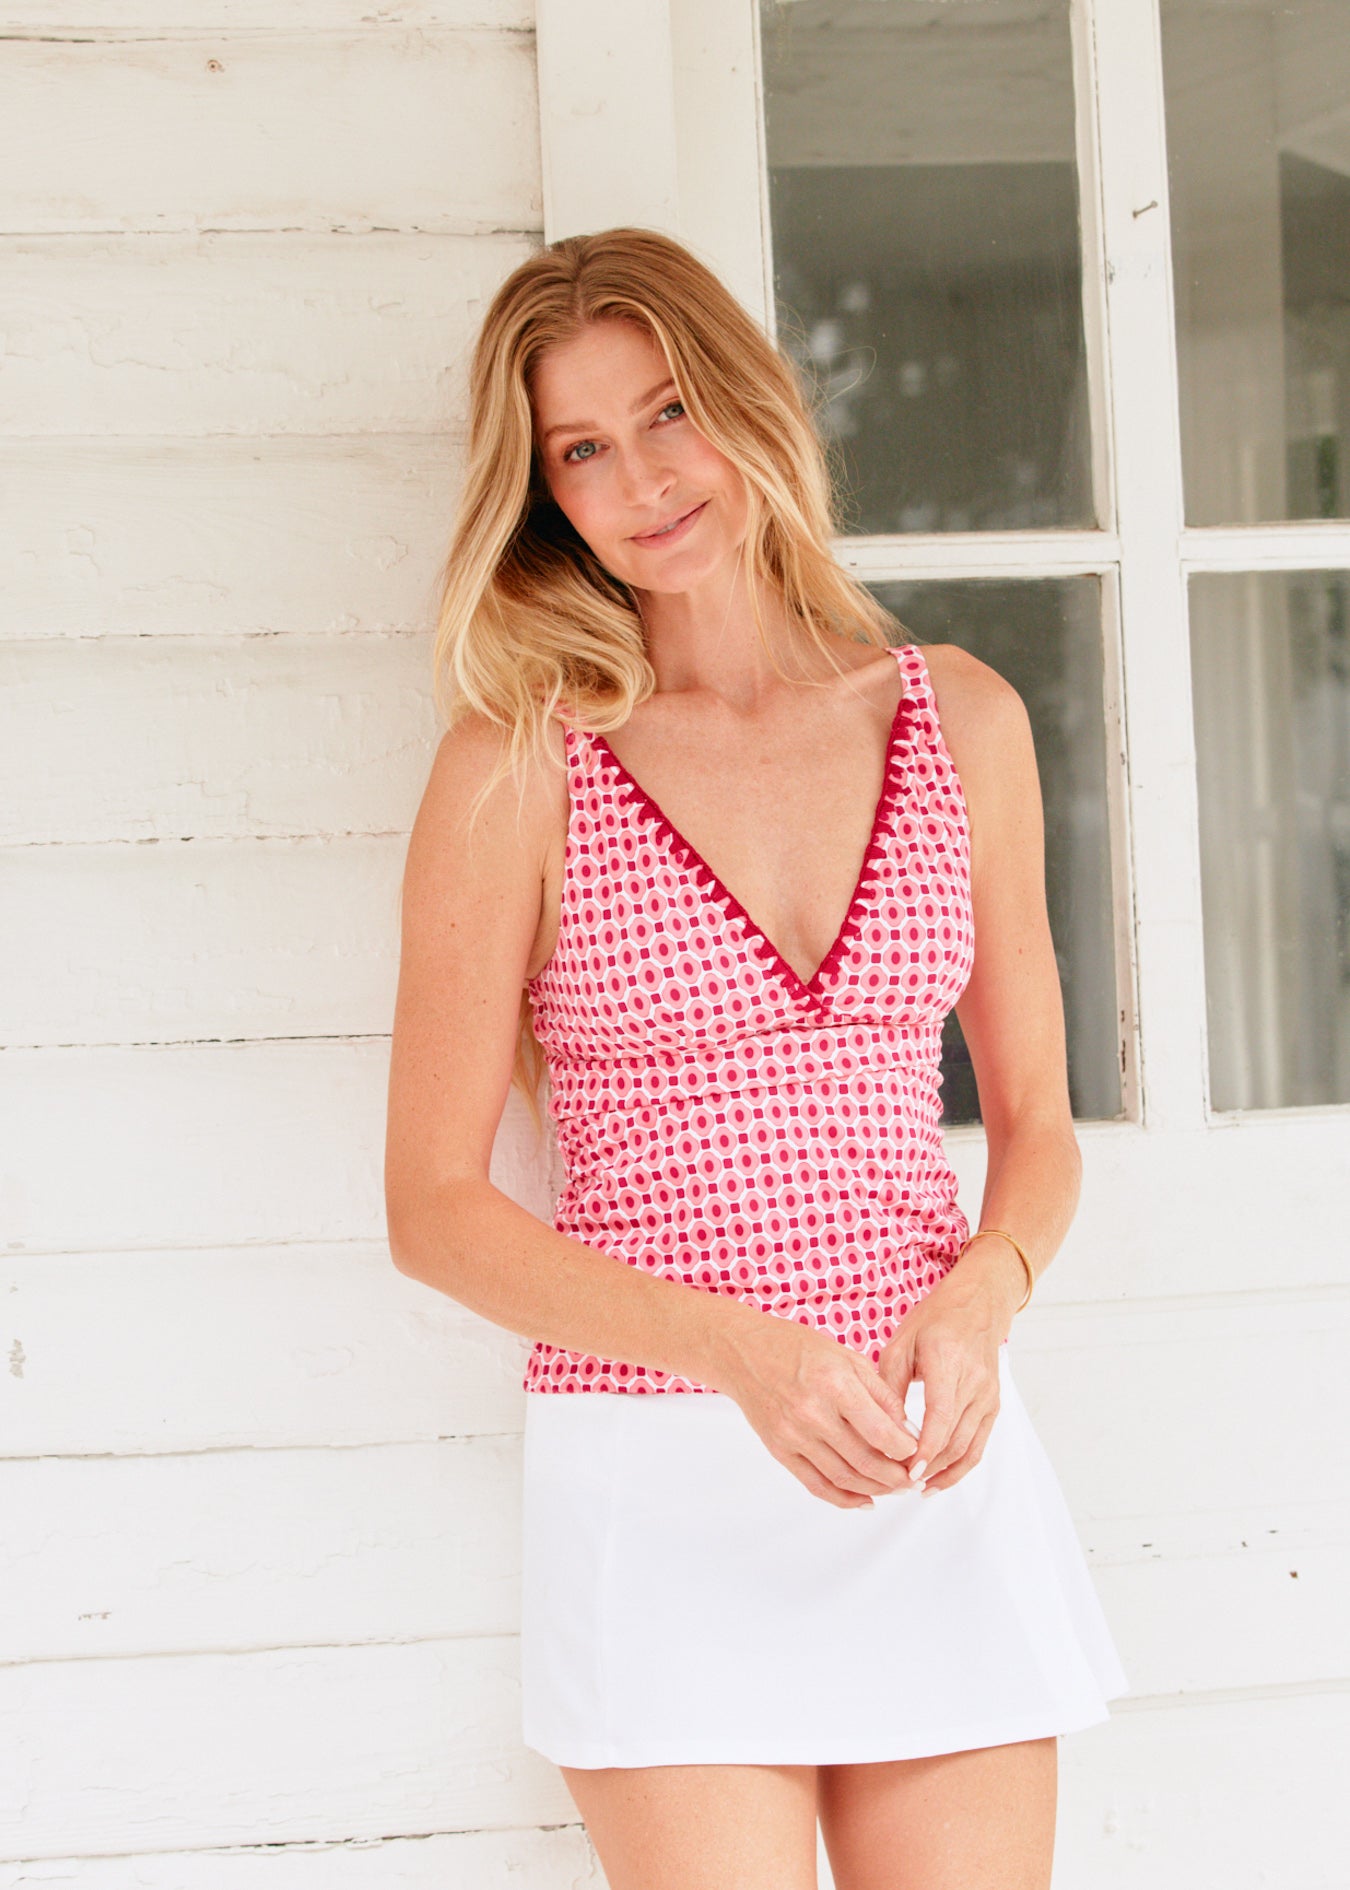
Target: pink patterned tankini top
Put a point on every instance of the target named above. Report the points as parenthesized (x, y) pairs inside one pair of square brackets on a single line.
[(720, 1121)]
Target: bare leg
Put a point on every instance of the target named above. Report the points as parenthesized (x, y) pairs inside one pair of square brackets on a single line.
[(700, 1827), (978, 1820)]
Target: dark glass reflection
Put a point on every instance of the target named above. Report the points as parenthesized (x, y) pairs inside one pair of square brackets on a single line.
[(924, 213), (1259, 181), (1271, 686), (1044, 637)]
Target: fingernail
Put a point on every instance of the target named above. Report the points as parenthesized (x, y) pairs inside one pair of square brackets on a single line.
[(916, 1470)]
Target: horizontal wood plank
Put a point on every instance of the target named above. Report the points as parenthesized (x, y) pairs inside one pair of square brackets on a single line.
[(249, 1148), (1191, 1402), (251, 334), (1246, 1793), (230, 538), (255, 1348), (273, 736), (302, 1744), (408, 128), (234, 1550), (231, 940), (558, 1857), (1146, 1223), (177, 19)]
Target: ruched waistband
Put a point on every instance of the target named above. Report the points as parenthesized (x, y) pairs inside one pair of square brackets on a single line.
[(784, 1060)]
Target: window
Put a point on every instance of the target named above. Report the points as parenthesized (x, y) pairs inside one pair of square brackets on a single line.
[(1258, 130), (923, 200), (1071, 278)]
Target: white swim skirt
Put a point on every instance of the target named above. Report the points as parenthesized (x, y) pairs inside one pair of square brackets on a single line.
[(686, 1600)]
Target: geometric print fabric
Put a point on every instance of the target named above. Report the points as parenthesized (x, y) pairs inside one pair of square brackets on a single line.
[(726, 1124)]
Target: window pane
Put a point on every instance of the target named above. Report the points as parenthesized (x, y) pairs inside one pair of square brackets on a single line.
[(1258, 128), (1271, 669), (924, 217), (1045, 638)]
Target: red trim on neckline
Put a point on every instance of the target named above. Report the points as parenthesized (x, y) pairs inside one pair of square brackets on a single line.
[(694, 862)]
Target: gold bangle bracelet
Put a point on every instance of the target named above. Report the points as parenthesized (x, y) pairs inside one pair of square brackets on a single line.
[(1017, 1249)]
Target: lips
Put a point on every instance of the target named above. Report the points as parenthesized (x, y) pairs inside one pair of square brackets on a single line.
[(674, 529)]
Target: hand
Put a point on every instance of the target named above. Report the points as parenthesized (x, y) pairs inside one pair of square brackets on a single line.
[(951, 1341), (824, 1411)]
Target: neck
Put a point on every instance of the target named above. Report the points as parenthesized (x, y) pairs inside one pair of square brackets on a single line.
[(704, 640)]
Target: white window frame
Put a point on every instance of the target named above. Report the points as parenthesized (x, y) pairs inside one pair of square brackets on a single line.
[(652, 114)]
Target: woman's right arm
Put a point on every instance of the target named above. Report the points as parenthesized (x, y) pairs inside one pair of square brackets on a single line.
[(471, 911)]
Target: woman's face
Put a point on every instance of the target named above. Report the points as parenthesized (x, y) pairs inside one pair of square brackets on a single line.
[(623, 461)]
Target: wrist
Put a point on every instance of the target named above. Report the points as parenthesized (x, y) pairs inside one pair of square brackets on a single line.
[(999, 1266), (730, 1340)]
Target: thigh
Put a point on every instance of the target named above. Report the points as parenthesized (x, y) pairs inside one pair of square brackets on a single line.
[(700, 1827), (977, 1820)]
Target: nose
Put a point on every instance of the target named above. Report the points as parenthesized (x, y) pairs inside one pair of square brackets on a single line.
[(645, 477)]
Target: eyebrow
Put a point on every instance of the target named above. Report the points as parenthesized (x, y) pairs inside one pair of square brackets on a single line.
[(582, 426)]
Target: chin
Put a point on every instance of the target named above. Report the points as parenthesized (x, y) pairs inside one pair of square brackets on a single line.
[(682, 574)]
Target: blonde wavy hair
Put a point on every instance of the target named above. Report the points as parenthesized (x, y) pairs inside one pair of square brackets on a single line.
[(530, 623)]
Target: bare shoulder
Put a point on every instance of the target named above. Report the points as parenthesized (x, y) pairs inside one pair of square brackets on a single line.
[(984, 719), (472, 903), (988, 734), (522, 802), (972, 697), (483, 851)]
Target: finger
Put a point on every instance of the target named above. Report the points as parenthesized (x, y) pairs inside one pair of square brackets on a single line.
[(885, 1395), (840, 1468), (872, 1470), (884, 1466), (975, 1393), (896, 1371), (874, 1411), (942, 1406), (954, 1472), (959, 1442), (806, 1472)]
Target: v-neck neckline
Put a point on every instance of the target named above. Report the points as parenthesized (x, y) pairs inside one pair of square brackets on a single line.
[(809, 988)]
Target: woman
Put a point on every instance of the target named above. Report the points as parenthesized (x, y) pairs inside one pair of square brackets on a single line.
[(727, 845)]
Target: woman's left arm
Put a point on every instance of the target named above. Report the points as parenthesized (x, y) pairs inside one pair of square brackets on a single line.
[(1012, 1019)]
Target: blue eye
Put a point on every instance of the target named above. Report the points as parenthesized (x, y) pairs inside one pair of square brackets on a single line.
[(594, 449)]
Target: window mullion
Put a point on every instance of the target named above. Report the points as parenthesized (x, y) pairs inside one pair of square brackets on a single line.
[(1088, 153), (607, 115), (1125, 54), (1020, 554), (1303, 545), (719, 119)]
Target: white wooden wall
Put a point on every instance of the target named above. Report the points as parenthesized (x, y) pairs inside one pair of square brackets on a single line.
[(259, 1561), (259, 1555)]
